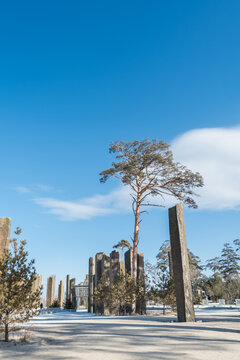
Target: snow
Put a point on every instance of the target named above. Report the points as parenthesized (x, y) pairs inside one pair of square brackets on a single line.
[(68, 335)]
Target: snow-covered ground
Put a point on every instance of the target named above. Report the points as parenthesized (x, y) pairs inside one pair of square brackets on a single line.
[(64, 335)]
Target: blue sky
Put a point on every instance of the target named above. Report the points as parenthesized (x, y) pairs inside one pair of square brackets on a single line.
[(76, 76)]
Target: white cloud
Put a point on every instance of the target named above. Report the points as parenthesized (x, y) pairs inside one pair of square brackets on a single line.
[(98, 205), (215, 153), (22, 189), (34, 189), (44, 188)]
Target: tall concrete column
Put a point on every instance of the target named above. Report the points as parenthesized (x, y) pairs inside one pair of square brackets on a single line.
[(5, 228), (140, 266), (114, 265), (98, 267), (51, 290), (37, 284), (72, 284), (60, 293), (170, 266), (141, 301), (128, 257), (91, 285), (114, 273), (98, 275), (105, 264), (180, 264), (67, 288)]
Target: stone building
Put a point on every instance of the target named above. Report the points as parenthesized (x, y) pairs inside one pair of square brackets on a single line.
[(80, 294)]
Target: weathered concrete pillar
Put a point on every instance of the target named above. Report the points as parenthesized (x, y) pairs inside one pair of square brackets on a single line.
[(60, 293), (91, 285), (170, 266), (5, 228), (72, 284), (141, 301), (105, 264), (37, 284), (140, 266), (98, 275), (68, 288), (50, 290), (98, 267), (180, 264), (114, 265), (128, 256), (114, 273)]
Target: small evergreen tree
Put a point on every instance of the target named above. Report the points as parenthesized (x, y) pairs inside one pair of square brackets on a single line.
[(162, 285), (225, 282), (123, 291), (68, 304), (215, 287), (103, 294), (18, 302), (195, 275), (55, 304)]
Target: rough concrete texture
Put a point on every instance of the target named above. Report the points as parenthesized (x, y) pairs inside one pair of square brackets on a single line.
[(5, 228), (91, 285), (180, 264)]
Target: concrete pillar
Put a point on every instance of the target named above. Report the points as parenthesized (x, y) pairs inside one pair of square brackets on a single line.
[(91, 285), (180, 263), (72, 284), (5, 228), (105, 264), (128, 256), (114, 273), (141, 301), (51, 290), (170, 266), (114, 265), (140, 266), (60, 293), (98, 275), (37, 284), (98, 267), (67, 288)]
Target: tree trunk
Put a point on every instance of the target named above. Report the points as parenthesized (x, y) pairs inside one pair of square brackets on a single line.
[(135, 248), (6, 332)]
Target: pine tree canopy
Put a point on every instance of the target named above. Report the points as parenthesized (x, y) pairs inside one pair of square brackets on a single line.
[(149, 167)]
